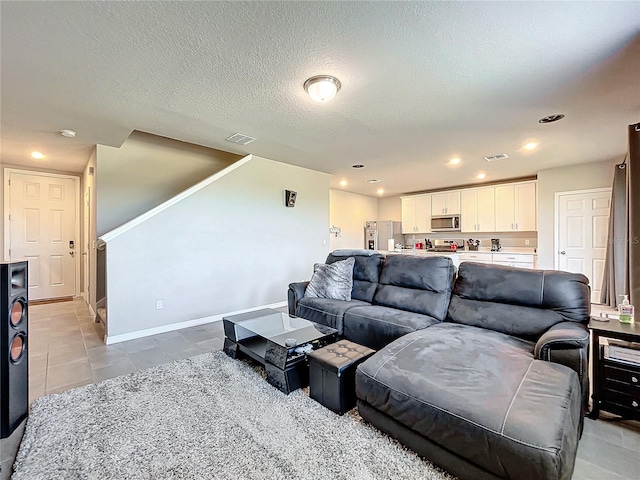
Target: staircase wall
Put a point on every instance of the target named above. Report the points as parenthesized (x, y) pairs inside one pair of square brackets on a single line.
[(146, 171), (229, 246)]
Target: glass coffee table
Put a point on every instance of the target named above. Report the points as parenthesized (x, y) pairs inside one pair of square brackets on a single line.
[(278, 341)]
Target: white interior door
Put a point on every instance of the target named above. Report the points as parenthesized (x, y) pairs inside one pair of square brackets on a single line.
[(583, 225), (42, 222)]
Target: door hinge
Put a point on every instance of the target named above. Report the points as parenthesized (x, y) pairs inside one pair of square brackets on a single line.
[(9, 253), (9, 217), (9, 182)]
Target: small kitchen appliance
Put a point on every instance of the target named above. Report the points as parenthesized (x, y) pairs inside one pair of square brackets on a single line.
[(495, 245), (445, 223)]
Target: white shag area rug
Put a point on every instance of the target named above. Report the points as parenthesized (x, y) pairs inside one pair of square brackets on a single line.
[(206, 417)]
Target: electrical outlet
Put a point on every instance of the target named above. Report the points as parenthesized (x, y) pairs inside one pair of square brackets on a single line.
[(526, 242), (159, 305)]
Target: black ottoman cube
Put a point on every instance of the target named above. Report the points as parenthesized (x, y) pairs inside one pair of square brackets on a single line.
[(332, 371)]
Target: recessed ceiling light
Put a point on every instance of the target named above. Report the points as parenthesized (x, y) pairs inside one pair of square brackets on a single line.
[(454, 161), (67, 133), (373, 180), (343, 183), (322, 88), (357, 166), (481, 176), (380, 191), (530, 146), (551, 118), (37, 155)]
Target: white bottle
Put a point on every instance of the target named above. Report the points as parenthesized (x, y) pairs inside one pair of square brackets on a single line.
[(626, 310)]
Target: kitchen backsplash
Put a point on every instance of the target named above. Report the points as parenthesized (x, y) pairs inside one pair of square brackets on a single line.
[(507, 239)]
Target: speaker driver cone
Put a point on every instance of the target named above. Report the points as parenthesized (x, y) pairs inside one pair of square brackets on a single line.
[(17, 348), (17, 312)]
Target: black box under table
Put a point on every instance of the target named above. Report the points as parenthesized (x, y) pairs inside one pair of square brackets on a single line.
[(332, 374)]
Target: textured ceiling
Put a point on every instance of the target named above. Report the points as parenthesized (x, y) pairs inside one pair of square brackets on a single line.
[(421, 82)]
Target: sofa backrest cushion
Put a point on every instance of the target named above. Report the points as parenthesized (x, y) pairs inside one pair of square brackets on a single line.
[(366, 273), (517, 301), (416, 284)]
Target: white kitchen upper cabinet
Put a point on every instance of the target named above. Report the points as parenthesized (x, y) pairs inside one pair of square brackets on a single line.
[(505, 208), (525, 218), (416, 214), (486, 209), (477, 210), (423, 214), (469, 210), (516, 207), (409, 215), (445, 203)]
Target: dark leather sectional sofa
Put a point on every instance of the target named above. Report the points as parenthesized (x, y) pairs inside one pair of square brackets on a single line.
[(484, 372)]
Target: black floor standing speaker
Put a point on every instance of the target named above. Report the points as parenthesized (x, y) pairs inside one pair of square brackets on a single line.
[(14, 361)]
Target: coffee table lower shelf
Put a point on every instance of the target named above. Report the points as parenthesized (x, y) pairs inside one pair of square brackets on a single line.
[(262, 336), (293, 376)]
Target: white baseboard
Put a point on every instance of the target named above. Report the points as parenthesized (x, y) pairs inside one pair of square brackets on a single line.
[(110, 340)]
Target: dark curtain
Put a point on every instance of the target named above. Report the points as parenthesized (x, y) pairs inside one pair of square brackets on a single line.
[(615, 281), (633, 185)]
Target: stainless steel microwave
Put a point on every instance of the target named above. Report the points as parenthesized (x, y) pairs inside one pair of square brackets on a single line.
[(445, 223)]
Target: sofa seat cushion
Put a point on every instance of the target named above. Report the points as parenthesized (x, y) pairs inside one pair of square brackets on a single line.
[(326, 311), (376, 326), (480, 394)]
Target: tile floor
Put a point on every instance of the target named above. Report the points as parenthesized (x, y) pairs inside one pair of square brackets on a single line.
[(66, 351)]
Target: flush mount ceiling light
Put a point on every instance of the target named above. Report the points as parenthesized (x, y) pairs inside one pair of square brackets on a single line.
[(454, 161), (67, 133), (380, 191), (357, 166), (481, 176), (551, 118), (322, 88), (373, 180), (37, 155), (530, 146), (343, 183)]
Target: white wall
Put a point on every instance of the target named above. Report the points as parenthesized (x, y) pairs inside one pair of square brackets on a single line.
[(564, 179), (146, 171), (390, 208), (349, 212), (230, 246)]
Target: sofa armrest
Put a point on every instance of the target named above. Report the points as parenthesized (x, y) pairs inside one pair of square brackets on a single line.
[(562, 336), (295, 293), (567, 343)]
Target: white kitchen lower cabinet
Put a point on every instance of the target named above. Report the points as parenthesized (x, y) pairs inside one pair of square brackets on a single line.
[(521, 260), (514, 260), (479, 257)]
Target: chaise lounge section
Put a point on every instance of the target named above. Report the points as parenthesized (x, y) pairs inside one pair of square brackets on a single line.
[(481, 394)]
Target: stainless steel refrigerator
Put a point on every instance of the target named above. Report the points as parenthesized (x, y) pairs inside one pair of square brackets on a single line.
[(378, 233)]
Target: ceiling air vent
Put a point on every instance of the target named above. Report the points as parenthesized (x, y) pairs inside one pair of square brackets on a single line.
[(241, 139), (493, 158)]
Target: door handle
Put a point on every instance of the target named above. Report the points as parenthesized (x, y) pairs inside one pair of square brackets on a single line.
[(72, 253), (562, 252)]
